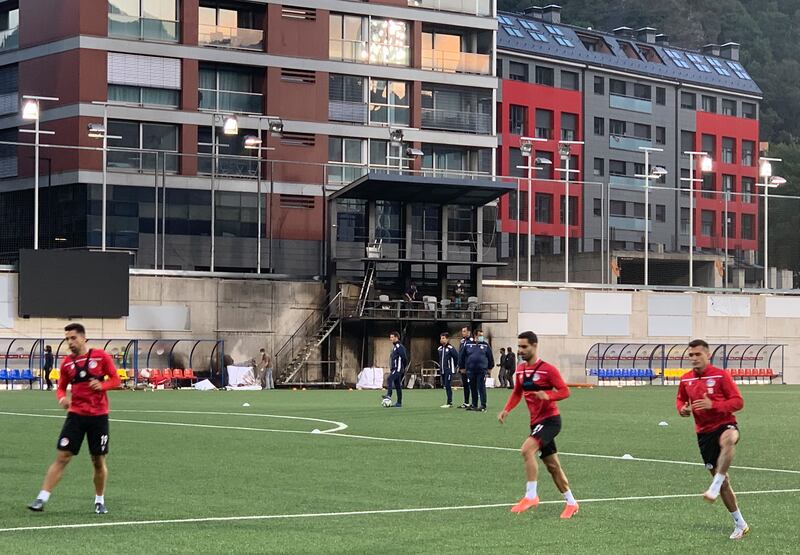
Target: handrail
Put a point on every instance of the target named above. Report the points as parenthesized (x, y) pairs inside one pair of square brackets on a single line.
[(304, 330)]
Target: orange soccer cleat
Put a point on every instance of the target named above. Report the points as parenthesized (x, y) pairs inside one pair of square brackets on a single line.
[(569, 511), (524, 504)]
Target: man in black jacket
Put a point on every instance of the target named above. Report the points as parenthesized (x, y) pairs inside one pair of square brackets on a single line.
[(398, 361), (501, 365), (510, 366), (476, 358)]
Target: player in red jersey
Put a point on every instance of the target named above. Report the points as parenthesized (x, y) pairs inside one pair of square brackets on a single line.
[(87, 414), (711, 395), (541, 385)]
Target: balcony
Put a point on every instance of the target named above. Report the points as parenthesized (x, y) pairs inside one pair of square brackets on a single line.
[(340, 174), (360, 51), (622, 142), (628, 223), (231, 37), (352, 112), (626, 182), (9, 39), (9, 102), (457, 62), (631, 103), (140, 28), (452, 120), (471, 7), (229, 101)]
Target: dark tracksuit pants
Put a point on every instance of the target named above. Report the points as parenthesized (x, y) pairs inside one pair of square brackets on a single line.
[(477, 384), (396, 381), (447, 381), (466, 385)]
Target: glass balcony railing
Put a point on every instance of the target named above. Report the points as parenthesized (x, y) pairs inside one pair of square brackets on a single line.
[(140, 28), (628, 223), (630, 103), (352, 112), (361, 51), (471, 7), (230, 37), (229, 101), (457, 62), (344, 174), (9, 39), (622, 142), (626, 182), (452, 120)]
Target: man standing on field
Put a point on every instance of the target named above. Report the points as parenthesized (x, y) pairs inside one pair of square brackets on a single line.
[(711, 395), (541, 385), (87, 414)]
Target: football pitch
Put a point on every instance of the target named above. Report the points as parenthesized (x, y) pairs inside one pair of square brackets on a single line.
[(317, 472)]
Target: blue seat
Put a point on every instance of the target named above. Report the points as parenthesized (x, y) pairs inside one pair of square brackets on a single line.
[(4, 375), (592, 371), (617, 372), (27, 374), (602, 373), (15, 375)]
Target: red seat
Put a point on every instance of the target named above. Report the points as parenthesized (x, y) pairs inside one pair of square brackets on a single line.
[(188, 374), (734, 372), (155, 375), (167, 374), (769, 371), (177, 375)]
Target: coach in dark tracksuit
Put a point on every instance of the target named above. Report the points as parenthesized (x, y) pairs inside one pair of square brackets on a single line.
[(476, 358), (448, 365), (510, 366), (465, 338), (398, 361)]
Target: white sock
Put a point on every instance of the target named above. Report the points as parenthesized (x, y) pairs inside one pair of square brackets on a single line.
[(530, 490), (738, 519), (99, 499), (569, 498), (716, 484), (43, 495)]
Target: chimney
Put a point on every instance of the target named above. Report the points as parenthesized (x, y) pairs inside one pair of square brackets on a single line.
[(552, 13), (730, 50), (711, 50), (646, 34), (626, 32), (533, 11), (662, 39)]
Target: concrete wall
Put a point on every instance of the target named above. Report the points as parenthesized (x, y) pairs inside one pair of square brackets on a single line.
[(772, 319)]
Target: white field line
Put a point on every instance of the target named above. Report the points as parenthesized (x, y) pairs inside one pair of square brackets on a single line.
[(416, 441), (96, 524)]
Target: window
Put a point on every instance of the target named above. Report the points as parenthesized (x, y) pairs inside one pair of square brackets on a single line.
[(709, 186), (661, 135), (728, 150), (529, 25), (569, 80), (517, 164), (748, 147), (727, 186), (544, 124), (538, 37), (709, 145), (687, 141), (518, 71), (346, 98), (748, 226), (676, 58), (708, 104), (143, 19), (688, 101), (684, 182), (545, 76), (517, 119), (749, 190), (547, 169), (345, 159), (617, 167), (544, 208), (699, 63), (599, 126), (642, 91), (738, 70), (597, 209), (370, 40), (231, 89), (616, 127), (554, 30), (149, 136), (573, 210), (638, 168), (661, 213), (229, 27), (661, 96), (599, 85), (748, 110), (569, 126), (728, 107), (523, 206), (615, 86), (641, 131), (718, 67), (618, 208), (599, 167), (684, 221), (504, 20), (563, 41), (143, 96), (731, 224), (388, 102), (514, 32)]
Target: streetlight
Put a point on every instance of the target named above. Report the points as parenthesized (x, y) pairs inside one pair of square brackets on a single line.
[(100, 131), (30, 111), (656, 173), (564, 151), (770, 182), (230, 126), (706, 164), (526, 149)]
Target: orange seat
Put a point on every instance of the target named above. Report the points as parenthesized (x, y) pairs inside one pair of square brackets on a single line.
[(155, 375), (188, 374), (167, 374)]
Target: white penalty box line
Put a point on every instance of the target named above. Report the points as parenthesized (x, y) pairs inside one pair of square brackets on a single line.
[(360, 513)]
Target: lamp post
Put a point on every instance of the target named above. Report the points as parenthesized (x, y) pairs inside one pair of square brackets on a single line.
[(30, 111), (230, 126), (526, 149), (565, 151), (100, 131), (770, 182), (656, 173), (705, 167)]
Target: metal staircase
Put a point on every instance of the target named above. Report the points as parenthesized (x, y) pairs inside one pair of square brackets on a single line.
[(317, 327)]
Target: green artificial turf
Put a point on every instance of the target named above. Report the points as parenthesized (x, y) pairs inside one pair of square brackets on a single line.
[(162, 472)]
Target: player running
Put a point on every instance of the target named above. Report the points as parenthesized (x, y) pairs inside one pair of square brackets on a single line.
[(541, 385), (87, 414), (711, 395)]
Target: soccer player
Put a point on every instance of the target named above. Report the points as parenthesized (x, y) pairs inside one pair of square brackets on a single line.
[(476, 358), (466, 337), (448, 363), (711, 395), (398, 360), (541, 385), (87, 414)]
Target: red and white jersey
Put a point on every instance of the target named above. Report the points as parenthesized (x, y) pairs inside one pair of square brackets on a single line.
[(78, 371), (720, 388), (539, 376)]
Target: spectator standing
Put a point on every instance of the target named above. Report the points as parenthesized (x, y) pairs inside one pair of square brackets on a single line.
[(48, 366)]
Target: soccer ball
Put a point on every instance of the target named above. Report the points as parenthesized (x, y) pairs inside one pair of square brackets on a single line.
[(386, 402)]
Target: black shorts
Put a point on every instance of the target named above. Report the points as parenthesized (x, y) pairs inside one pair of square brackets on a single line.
[(95, 428), (709, 444), (545, 433)]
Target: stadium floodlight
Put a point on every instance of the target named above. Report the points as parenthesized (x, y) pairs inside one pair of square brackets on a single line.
[(770, 182), (656, 172), (252, 142), (706, 165), (411, 151), (230, 125), (275, 126)]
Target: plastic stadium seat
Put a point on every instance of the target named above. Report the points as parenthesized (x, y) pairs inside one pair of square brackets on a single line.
[(177, 376), (592, 371), (602, 373), (27, 374), (4, 375), (15, 375), (188, 374), (155, 375), (617, 372)]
